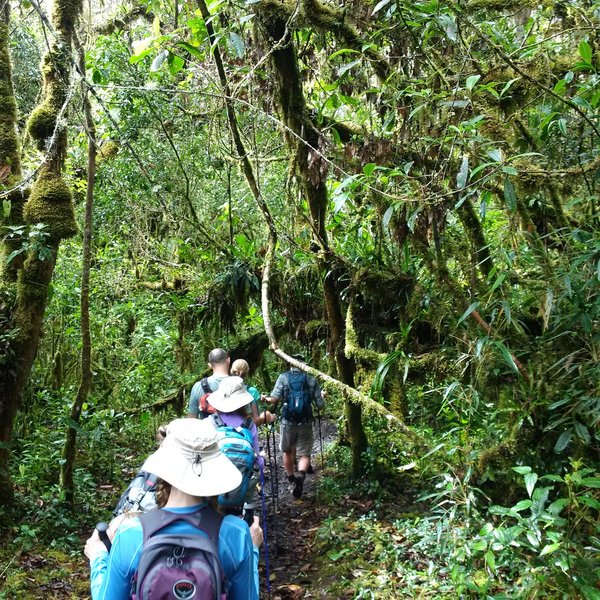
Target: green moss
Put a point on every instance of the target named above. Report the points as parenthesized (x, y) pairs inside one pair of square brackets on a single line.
[(42, 123), (9, 143), (65, 14), (108, 150), (8, 106), (51, 203)]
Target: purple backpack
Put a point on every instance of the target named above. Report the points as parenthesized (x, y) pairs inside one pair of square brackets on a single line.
[(180, 566)]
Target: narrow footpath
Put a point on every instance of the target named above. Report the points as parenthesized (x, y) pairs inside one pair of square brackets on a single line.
[(292, 523)]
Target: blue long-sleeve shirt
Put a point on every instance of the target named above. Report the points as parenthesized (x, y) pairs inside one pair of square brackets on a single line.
[(111, 573)]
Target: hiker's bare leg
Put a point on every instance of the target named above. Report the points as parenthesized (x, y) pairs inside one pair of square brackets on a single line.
[(289, 461), (304, 463)]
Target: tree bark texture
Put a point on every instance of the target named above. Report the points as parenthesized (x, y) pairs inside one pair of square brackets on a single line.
[(304, 140), (25, 292)]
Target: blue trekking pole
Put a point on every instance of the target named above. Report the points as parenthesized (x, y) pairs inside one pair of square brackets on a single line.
[(320, 438), (274, 473), (264, 513)]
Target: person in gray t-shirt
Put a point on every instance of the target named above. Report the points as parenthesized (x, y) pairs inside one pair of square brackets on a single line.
[(218, 362)]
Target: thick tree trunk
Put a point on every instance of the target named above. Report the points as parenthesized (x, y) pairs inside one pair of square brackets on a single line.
[(25, 285), (304, 141)]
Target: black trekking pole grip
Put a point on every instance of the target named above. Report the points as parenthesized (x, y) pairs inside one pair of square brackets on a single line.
[(102, 529)]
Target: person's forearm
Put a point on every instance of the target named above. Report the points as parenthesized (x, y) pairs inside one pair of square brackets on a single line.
[(98, 568)]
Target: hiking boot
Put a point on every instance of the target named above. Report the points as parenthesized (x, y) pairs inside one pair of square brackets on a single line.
[(299, 484), (291, 483)]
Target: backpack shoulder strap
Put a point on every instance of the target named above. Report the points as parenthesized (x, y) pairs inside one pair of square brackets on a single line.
[(205, 385), (207, 519), (217, 421), (247, 423)]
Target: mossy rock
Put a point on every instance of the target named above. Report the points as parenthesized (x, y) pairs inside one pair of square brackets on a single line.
[(42, 123), (51, 203)]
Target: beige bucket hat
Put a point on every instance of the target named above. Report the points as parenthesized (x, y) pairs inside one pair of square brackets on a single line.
[(230, 395), (190, 460)]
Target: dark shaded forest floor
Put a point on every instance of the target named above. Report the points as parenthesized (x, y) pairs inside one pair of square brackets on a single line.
[(292, 524)]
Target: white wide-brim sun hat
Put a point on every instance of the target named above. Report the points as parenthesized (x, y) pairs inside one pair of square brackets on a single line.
[(190, 460), (230, 395)]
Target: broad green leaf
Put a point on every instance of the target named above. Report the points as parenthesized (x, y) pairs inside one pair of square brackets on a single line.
[(175, 64), (369, 168), (193, 50), (560, 86), (380, 5), (522, 470), (563, 441), (495, 154), (553, 477), (449, 25), (582, 432), (472, 81), (467, 312), (591, 502), (490, 560), (463, 173), (159, 60), (562, 126), (412, 218), (507, 356), (522, 505), (530, 481), (339, 201), (533, 539), (510, 195), (592, 482), (238, 43), (387, 217), (508, 86), (345, 68), (343, 51), (499, 280), (557, 506), (585, 51), (550, 548)]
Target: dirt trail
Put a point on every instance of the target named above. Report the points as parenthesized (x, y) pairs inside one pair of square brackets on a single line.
[(291, 523)]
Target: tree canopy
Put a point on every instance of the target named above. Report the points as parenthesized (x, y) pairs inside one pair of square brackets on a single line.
[(407, 192)]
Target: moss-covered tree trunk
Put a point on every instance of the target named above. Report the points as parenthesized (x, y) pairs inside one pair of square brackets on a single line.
[(304, 141), (25, 284), (10, 174)]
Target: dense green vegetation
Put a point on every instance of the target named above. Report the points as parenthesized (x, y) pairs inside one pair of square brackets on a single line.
[(414, 188)]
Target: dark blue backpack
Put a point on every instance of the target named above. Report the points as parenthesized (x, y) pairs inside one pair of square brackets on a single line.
[(298, 406), (180, 566)]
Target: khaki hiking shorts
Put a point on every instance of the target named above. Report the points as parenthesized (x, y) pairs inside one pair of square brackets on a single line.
[(298, 435)]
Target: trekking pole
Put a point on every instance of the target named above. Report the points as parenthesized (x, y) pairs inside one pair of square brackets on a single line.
[(320, 439), (264, 513), (276, 478), (102, 529), (274, 482)]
